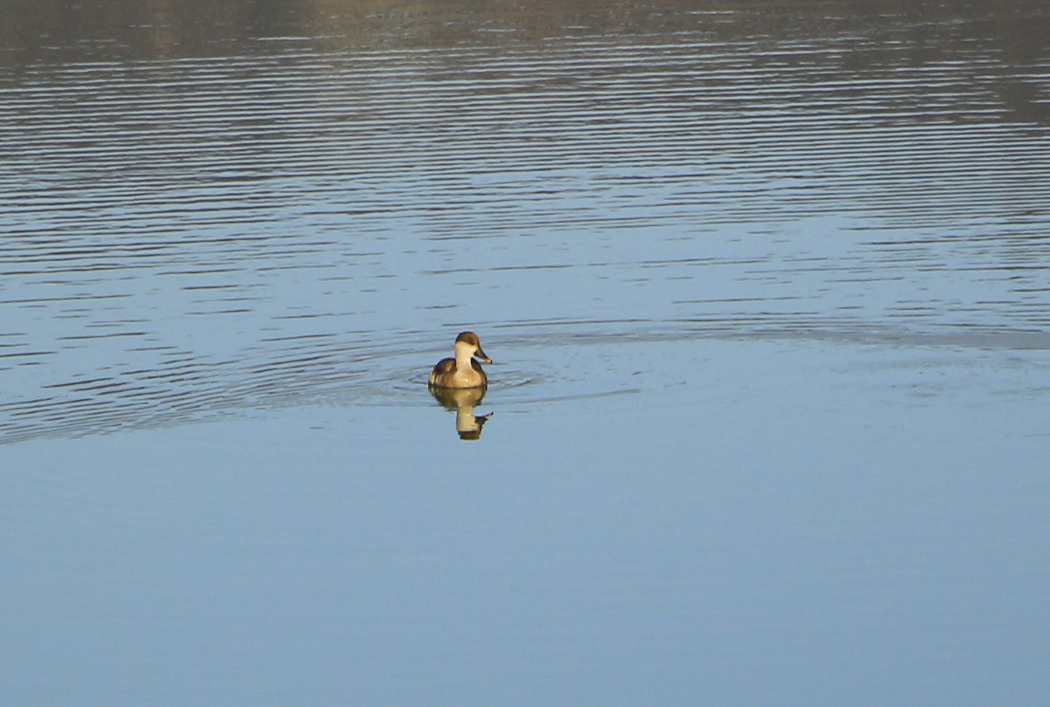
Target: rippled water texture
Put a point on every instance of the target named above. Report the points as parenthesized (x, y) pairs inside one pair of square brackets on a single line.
[(186, 236), (767, 287)]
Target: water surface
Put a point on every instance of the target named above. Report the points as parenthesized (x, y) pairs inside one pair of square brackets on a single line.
[(765, 286)]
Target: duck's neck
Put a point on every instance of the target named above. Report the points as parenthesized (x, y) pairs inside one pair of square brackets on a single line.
[(464, 352)]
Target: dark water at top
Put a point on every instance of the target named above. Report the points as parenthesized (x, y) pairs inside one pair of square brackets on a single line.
[(767, 289)]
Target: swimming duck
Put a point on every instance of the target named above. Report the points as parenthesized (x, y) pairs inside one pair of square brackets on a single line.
[(462, 371)]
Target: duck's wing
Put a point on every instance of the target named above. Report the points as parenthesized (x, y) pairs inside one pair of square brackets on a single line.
[(445, 365)]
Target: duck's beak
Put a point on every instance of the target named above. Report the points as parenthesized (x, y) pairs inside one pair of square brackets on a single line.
[(481, 354)]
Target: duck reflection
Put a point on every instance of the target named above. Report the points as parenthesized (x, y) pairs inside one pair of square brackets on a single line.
[(463, 400)]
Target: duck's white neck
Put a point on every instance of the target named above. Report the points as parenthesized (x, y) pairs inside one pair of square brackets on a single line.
[(464, 352)]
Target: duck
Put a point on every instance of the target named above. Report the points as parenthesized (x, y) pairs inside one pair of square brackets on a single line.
[(463, 371)]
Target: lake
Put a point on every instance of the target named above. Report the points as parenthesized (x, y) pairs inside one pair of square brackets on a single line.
[(766, 287)]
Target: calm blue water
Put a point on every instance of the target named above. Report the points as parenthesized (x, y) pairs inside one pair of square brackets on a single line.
[(767, 296), (761, 529)]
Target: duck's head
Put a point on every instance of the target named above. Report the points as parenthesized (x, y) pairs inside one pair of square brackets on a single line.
[(468, 343)]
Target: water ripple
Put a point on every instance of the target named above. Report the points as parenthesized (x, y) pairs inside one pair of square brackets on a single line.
[(191, 238)]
